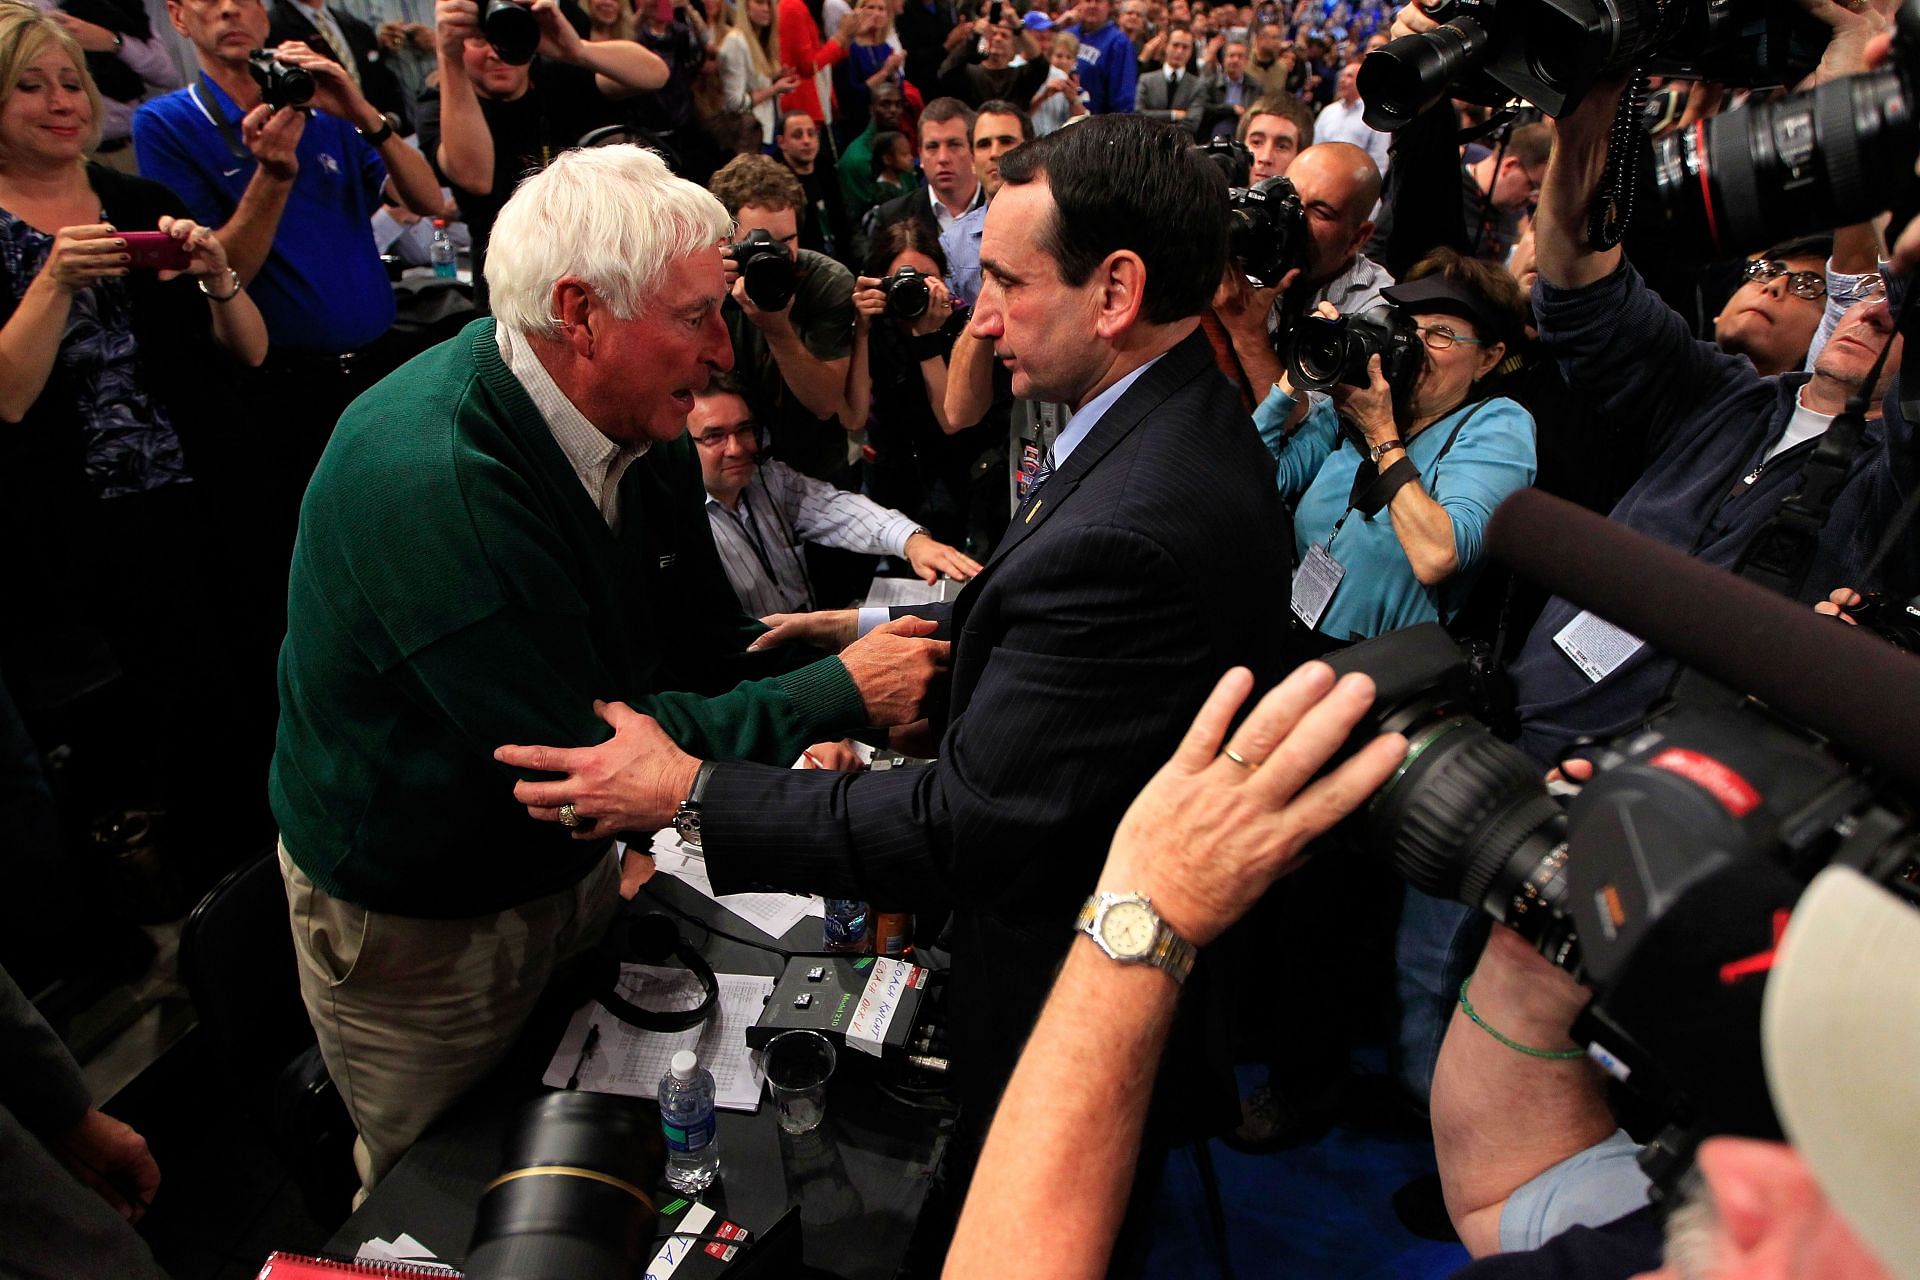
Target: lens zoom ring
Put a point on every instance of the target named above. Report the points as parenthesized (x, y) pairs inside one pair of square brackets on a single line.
[(1451, 804)]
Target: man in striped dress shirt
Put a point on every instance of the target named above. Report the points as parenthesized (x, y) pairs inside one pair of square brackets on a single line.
[(763, 512)]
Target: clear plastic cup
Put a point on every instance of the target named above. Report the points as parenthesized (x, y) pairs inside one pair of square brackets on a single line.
[(799, 1064)]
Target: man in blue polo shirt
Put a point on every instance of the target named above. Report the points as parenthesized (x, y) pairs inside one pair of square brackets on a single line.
[(1109, 64), (293, 193)]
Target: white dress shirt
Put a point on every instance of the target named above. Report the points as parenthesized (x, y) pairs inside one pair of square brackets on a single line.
[(597, 460), (778, 512)]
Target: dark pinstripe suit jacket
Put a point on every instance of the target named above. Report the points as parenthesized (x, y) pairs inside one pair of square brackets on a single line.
[(1153, 559)]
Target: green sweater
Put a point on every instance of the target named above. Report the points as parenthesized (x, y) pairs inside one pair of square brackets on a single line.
[(453, 589)]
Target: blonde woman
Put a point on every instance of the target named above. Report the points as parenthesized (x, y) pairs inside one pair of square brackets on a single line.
[(751, 77), (612, 20)]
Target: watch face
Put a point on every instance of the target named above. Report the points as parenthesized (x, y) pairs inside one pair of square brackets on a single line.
[(1128, 928)]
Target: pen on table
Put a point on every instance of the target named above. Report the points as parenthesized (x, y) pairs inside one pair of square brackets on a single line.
[(587, 1047)]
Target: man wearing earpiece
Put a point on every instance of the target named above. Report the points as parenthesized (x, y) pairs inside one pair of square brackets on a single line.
[(763, 513)]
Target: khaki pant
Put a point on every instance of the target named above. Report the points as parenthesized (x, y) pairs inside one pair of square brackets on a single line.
[(411, 1013)]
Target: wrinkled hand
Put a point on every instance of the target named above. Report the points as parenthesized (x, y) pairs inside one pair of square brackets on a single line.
[(90, 36), (272, 136), (1206, 836), (333, 89), (896, 668), (634, 781), (113, 1159), (1852, 25), (1371, 406), (80, 255), (454, 23), (930, 559), (1411, 20), (1837, 604), (837, 757), (829, 629), (206, 255)]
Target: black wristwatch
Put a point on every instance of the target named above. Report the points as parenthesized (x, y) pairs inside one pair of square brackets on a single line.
[(686, 819), (380, 135)]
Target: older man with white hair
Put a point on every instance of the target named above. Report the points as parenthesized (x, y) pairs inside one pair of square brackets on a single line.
[(504, 531)]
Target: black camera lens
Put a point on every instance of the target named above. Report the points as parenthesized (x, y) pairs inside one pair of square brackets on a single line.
[(512, 31), (281, 83), (767, 269), (1322, 353), (1836, 155), (1266, 230), (908, 296), (1403, 78), (572, 1203)]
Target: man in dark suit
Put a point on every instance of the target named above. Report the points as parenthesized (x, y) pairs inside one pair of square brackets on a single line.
[(1150, 554), (1176, 92), (326, 30), (951, 190)]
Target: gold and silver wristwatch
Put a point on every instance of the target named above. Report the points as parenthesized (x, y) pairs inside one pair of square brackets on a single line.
[(1128, 929)]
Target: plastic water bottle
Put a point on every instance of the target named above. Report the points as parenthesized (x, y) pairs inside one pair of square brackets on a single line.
[(845, 926), (686, 1116), (445, 261)]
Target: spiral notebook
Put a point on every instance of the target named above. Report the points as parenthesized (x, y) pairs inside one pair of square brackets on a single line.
[(300, 1266)]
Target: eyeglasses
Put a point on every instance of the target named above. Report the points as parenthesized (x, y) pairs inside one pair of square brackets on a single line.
[(1440, 338), (1811, 285), (717, 437)]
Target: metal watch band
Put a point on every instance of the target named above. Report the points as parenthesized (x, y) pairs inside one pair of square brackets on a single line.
[(1172, 954)]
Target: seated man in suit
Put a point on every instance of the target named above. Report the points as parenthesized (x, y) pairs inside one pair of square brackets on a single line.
[(1149, 556), (1175, 92)]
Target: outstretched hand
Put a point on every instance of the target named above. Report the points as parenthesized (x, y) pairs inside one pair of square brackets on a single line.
[(634, 781)]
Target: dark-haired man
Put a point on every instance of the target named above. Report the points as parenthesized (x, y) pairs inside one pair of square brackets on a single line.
[(823, 226), (998, 129), (886, 111), (946, 158), (1081, 650)]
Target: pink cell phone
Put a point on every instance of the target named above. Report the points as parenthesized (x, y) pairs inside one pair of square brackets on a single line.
[(155, 251)]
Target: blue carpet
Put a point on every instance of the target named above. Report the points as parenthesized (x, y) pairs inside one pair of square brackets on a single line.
[(1318, 1210)]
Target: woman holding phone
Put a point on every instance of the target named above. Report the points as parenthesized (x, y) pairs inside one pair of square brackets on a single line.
[(107, 367)]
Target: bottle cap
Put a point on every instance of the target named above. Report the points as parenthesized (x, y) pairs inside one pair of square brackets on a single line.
[(685, 1063), (440, 224)]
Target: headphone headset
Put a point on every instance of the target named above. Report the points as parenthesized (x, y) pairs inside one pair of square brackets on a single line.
[(648, 937)]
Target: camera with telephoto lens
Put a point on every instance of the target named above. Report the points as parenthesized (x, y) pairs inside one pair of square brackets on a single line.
[(512, 30), (907, 294), (572, 1201), (1266, 230), (1551, 52), (767, 268), (281, 83), (1834, 155), (1321, 353), (1692, 841)]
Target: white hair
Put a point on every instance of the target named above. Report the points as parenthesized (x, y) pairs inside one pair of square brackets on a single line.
[(613, 217)]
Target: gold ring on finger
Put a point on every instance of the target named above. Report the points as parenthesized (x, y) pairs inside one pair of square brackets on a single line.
[(1238, 759), (569, 817)]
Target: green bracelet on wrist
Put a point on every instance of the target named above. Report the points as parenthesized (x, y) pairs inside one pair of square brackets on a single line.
[(1552, 1055)]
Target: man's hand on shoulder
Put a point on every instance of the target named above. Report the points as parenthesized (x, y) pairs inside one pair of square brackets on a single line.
[(634, 781), (897, 669)]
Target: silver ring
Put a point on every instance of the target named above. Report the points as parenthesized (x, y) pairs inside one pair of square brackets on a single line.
[(569, 818), (1238, 759)]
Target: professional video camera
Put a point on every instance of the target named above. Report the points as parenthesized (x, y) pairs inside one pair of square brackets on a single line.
[(1266, 230), (281, 83), (908, 296), (767, 268), (1551, 52), (1663, 884), (1832, 156), (512, 30), (1323, 353)]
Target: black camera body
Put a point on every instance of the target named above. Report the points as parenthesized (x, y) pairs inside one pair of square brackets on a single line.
[(281, 83), (1834, 155), (908, 295), (1662, 885), (1266, 230), (1321, 354), (1233, 159), (1551, 52), (767, 268), (512, 30)]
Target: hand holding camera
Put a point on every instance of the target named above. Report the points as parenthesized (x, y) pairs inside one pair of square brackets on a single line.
[(327, 85), (272, 136), (761, 277), (454, 23), (920, 303)]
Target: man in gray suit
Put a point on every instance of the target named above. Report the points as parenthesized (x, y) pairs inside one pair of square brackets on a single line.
[(1176, 92)]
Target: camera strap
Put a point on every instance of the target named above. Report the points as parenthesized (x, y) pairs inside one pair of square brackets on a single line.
[(1781, 554), (218, 115), (1373, 488)]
